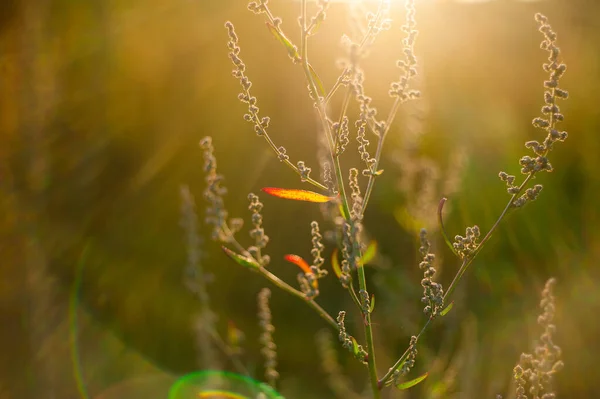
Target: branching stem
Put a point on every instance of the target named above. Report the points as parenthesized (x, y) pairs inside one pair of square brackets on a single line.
[(461, 271)]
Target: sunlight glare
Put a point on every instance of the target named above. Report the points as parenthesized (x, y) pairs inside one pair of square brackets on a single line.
[(422, 1)]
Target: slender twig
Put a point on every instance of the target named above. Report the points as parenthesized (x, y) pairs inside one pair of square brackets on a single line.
[(363, 43), (288, 288), (461, 271), (275, 149), (277, 281), (388, 376), (467, 261), (353, 295), (321, 108), (227, 351), (380, 139), (369, 337), (339, 177)]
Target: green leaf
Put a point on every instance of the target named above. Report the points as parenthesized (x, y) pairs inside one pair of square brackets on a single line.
[(242, 260), (412, 383), (317, 81), (316, 27), (291, 49), (370, 253), (355, 347), (335, 264), (447, 309), (342, 212), (372, 306)]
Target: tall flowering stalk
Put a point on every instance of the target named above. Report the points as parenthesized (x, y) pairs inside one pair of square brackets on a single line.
[(347, 192)]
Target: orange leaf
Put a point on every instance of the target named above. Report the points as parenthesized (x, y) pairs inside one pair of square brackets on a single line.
[(298, 195), (298, 261)]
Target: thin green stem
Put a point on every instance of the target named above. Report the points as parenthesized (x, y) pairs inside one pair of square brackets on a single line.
[(467, 261), (381, 137), (336, 86), (365, 40), (343, 112), (277, 281), (342, 191), (461, 271), (288, 288), (388, 376), (353, 295), (321, 109), (369, 337), (227, 351), (275, 149)]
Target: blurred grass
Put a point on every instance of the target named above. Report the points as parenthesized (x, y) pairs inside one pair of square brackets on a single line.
[(101, 109)]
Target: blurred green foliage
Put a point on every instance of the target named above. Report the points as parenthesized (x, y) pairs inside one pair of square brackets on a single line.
[(102, 105)]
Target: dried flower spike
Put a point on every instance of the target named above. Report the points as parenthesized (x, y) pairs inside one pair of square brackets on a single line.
[(258, 233), (536, 370), (433, 293), (269, 349)]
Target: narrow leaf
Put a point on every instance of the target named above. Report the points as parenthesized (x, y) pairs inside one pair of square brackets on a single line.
[(370, 253), (316, 27), (335, 264), (400, 366), (447, 309), (317, 81), (378, 173), (442, 228), (412, 383), (298, 261), (301, 263), (355, 347), (372, 306), (291, 49), (298, 195), (342, 212), (242, 260)]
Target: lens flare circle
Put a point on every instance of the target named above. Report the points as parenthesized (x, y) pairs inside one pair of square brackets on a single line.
[(142, 387), (212, 384)]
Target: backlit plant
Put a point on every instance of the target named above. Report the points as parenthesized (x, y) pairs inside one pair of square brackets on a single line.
[(344, 193)]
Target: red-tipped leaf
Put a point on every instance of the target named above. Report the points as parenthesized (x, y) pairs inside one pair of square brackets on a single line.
[(298, 195), (298, 261)]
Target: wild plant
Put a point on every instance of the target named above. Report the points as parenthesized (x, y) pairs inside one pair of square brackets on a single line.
[(536, 370), (344, 194)]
